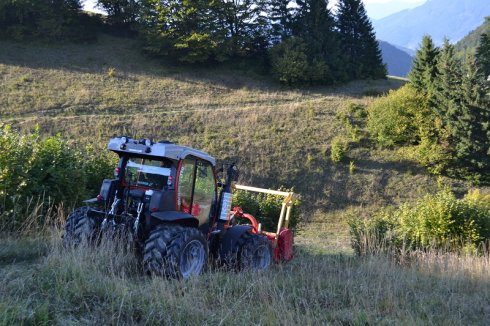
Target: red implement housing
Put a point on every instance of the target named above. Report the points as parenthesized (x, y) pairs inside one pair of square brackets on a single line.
[(282, 242)]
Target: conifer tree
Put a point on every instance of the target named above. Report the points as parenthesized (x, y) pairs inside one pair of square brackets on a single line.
[(281, 15), (447, 84), (244, 24), (358, 42), (424, 68), (180, 29), (315, 25), (483, 55), (472, 135), (121, 14)]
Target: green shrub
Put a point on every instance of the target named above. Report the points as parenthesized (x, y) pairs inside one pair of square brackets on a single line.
[(265, 208), (338, 149), (402, 117), (371, 236), (45, 171), (439, 221), (289, 61)]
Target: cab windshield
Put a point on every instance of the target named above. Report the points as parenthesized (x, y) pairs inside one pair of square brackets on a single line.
[(147, 173)]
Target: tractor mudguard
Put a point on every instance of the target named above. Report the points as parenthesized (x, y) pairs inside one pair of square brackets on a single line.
[(230, 238), (176, 217)]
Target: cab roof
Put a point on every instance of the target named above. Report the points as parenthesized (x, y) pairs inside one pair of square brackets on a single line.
[(163, 149)]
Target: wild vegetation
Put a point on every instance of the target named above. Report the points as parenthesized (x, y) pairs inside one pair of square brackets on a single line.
[(442, 117), (325, 48), (43, 283), (436, 222), (352, 152)]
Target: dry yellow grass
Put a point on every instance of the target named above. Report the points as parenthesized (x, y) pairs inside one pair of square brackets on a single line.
[(104, 286)]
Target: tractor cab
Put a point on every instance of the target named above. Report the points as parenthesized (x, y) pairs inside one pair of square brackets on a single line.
[(176, 183)]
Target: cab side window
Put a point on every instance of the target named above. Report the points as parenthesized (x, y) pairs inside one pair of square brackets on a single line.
[(204, 191), (186, 180)]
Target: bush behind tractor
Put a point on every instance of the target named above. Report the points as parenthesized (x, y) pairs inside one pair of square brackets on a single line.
[(168, 203)]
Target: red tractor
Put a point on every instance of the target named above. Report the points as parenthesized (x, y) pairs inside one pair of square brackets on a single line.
[(168, 201)]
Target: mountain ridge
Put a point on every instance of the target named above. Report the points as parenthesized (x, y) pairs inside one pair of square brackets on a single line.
[(453, 19)]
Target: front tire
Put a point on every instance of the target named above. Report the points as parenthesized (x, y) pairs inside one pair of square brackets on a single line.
[(175, 251), (80, 228)]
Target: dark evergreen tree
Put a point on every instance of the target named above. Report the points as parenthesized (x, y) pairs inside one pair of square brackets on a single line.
[(315, 24), (447, 85), (360, 49), (483, 55), (121, 14), (245, 25), (472, 131), (181, 29), (460, 101), (281, 16), (424, 68)]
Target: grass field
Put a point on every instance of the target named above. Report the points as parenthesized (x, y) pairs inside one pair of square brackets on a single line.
[(44, 284), (279, 137)]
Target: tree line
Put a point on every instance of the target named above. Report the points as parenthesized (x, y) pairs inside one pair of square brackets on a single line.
[(300, 41), (442, 117)]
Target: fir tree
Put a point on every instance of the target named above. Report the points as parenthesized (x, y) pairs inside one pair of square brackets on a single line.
[(447, 84), (472, 136), (358, 42), (424, 69), (483, 55), (245, 26), (181, 29), (121, 14), (315, 24), (281, 15)]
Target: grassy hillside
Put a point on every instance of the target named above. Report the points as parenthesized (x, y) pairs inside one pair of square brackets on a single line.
[(279, 137), (470, 42)]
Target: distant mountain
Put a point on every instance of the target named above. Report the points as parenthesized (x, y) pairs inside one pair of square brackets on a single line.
[(398, 61), (378, 10), (470, 42), (437, 18)]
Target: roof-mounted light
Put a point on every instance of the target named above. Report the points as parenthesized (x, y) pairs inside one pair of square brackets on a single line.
[(148, 142)]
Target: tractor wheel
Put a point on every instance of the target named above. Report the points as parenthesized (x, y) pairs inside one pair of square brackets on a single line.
[(79, 228), (175, 251), (252, 252)]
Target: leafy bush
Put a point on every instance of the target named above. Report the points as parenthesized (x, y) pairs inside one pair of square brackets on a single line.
[(46, 171), (400, 117), (289, 61), (265, 208), (438, 221)]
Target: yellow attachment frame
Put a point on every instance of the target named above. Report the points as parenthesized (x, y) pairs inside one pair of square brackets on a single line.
[(287, 205)]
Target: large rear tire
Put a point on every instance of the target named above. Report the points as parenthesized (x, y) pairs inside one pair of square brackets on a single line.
[(80, 228), (175, 251), (252, 252)]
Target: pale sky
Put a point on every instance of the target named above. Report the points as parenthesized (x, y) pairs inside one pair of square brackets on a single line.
[(376, 8)]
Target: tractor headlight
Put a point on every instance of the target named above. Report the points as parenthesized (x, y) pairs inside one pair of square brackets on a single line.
[(148, 142), (124, 139)]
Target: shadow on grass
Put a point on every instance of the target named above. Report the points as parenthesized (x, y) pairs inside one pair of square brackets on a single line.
[(124, 57)]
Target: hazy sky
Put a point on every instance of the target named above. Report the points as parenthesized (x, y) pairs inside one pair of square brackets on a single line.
[(376, 8)]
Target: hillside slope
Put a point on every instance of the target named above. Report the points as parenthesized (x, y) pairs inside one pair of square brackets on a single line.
[(278, 136), (438, 18), (470, 42)]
